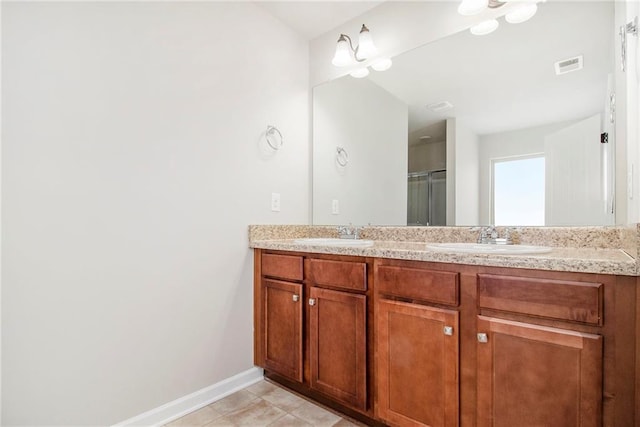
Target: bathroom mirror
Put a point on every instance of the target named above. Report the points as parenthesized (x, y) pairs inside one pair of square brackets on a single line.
[(505, 128)]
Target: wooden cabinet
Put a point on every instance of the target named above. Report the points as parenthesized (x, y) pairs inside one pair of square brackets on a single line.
[(530, 375), (282, 311), (338, 349), (533, 375), (278, 314), (411, 343), (416, 346), (312, 330), (417, 354)]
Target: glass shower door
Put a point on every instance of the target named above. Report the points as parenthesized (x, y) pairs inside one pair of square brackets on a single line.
[(426, 198)]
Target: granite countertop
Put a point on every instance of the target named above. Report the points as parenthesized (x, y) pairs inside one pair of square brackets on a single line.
[(582, 260)]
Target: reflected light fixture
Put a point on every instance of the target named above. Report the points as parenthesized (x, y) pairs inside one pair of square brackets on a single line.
[(485, 27), (522, 13), (360, 73), (382, 64), (347, 55), (472, 7)]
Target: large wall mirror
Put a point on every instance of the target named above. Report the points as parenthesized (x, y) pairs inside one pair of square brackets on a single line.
[(508, 128)]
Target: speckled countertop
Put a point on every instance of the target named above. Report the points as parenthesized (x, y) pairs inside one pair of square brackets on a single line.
[(603, 250)]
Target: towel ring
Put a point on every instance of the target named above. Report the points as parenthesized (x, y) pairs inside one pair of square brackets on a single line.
[(274, 137), (342, 157)]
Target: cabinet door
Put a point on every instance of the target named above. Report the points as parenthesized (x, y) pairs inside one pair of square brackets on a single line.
[(417, 364), (283, 328), (531, 375), (337, 341)]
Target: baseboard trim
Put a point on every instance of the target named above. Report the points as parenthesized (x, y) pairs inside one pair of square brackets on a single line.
[(194, 401)]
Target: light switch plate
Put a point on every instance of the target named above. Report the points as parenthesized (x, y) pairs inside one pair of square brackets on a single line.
[(335, 207)]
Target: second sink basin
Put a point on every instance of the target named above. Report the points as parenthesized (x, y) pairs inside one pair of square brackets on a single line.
[(476, 248), (322, 241)]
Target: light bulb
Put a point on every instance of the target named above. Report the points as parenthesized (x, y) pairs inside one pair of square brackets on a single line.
[(366, 48), (521, 13), (485, 27), (472, 7), (360, 73), (343, 53), (382, 64)]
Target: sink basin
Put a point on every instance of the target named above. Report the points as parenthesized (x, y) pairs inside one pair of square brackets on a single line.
[(347, 243), (476, 248)]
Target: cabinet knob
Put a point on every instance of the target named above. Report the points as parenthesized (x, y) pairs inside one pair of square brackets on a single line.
[(312, 301), (296, 298), (448, 330), (483, 338)]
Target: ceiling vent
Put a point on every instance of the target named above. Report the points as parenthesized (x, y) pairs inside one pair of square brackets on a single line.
[(568, 65), (440, 106)]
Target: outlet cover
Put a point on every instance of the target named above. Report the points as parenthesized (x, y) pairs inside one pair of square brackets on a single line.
[(275, 202)]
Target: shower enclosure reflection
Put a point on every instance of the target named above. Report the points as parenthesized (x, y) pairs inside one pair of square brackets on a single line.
[(427, 198)]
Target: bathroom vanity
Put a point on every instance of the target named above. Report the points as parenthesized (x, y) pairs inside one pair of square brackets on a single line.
[(418, 342)]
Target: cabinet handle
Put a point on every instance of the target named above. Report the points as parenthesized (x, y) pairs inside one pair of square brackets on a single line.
[(448, 330), (312, 301), (483, 338), (296, 298)]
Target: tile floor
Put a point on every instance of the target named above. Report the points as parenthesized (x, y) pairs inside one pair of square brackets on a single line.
[(263, 404)]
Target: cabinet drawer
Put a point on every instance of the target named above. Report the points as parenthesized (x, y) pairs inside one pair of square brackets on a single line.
[(417, 283), (554, 299), (282, 266), (340, 274)]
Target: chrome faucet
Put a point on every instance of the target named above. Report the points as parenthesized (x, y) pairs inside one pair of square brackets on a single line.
[(489, 236), (349, 232)]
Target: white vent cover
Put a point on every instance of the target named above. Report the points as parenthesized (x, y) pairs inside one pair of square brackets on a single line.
[(440, 106), (568, 65)]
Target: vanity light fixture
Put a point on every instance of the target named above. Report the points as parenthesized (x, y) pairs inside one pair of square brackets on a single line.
[(346, 54), (345, 49)]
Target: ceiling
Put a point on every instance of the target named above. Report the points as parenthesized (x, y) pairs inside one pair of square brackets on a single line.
[(311, 19), (506, 80)]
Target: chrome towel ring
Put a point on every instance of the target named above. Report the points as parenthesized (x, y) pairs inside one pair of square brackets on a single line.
[(274, 137), (342, 157)]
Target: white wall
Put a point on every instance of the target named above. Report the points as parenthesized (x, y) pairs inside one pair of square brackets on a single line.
[(133, 161), (466, 173), (451, 172), (372, 126), (521, 142)]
